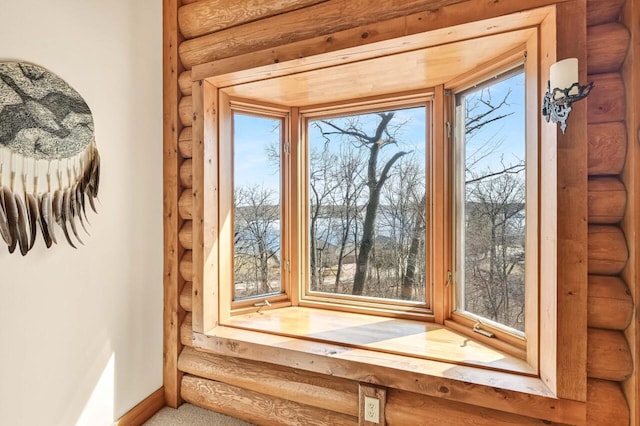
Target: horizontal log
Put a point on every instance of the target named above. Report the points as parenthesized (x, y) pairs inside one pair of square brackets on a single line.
[(186, 330), (608, 355), (255, 407), (186, 266), (407, 408), (185, 110), (186, 297), (185, 236), (607, 46), (606, 200), (602, 11), (606, 404), (609, 303), (185, 204), (606, 102), (185, 83), (316, 390), (477, 387), (185, 143), (607, 250), (189, 1), (186, 174), (208, 16), (607, 148), (320, 19)]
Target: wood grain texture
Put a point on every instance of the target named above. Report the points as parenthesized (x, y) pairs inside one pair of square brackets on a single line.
[(390, 37), (608, 355), (607, 148), (606, 102), (144, 410), (208, 16), (186, 297), (438, 208), (186, 330), (631, 179), (185, 82), (607, 46), (185, 144), (417, 339), (185, 204), (185, 108), (607, 405), (321, 19), (548, 202), (186, 266), (607, 200), (255, 407), (610, 305), (186, 174), (327, 18), (205, 206), (172, 281), (590, 170), (186, 235), (479, 387), (603, 11), (608, 251), (316, 390), (572, 217), (405, 408)]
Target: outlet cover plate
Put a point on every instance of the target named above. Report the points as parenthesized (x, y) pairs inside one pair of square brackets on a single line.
[(370, 398)]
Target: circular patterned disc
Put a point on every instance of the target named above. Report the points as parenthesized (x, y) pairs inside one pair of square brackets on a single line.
[(41, 116)]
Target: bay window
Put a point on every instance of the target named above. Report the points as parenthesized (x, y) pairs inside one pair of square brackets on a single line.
[(390, 204)]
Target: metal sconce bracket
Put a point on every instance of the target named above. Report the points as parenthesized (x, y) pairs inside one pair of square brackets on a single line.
[(557, 109)]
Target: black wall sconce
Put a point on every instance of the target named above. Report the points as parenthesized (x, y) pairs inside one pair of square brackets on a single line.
[(563, 90)]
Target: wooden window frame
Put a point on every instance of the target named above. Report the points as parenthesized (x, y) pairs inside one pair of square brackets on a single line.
[(228, 305), (563, 234), (344, 302), (526, 345)]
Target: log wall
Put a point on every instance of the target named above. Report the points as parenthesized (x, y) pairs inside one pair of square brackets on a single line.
[(296, 397), (631, 179), (607, 46)]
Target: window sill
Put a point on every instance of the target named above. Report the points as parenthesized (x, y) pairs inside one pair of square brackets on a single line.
[(424, 358), (416, 339)]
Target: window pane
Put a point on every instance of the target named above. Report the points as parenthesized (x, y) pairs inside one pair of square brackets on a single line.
[(257, 211), (367, 198), (491, 255)]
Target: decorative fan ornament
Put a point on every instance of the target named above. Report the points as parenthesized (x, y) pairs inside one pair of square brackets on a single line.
[(46, 130)]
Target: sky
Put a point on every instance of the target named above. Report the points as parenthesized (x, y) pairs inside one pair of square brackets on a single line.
[(253, 135), (506, 135)]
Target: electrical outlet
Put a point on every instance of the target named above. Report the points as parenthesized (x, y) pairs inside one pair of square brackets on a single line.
[(371, 401), (371, 409)]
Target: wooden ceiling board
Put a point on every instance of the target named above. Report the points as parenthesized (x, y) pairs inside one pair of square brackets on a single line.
[(417, 69)]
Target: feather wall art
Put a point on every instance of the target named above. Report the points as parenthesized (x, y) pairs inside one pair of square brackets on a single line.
[(49, 162)]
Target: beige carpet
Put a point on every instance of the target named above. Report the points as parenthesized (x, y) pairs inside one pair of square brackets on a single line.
[(191, 415)]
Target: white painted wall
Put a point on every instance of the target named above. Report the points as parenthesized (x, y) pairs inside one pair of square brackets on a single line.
[(81, 330)]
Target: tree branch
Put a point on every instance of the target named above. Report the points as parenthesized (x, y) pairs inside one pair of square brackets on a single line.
[(385, 171), (509, 170)]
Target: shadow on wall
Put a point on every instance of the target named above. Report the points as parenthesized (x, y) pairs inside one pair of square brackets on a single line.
[(81, 330)]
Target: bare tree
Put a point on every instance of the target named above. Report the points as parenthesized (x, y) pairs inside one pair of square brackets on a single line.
[(257, 217), (495, 249), (322, 184), (494, 214), (382, 137), (403, 215), (348, 172)]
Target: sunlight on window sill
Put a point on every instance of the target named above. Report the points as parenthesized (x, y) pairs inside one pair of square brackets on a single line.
[(416, 339)]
